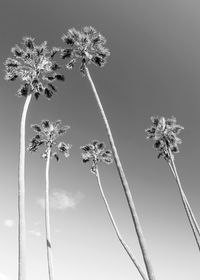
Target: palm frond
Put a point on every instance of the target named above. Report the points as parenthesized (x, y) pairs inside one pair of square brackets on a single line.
[(95, 152), (47, 134), (48, 93), (100, 146), (68, 39), (94, 143), (29, 42), (55, 66), (35, 143), (86, 157), (63, 130), (17, 52), (36, 127), (59, 77), (164, 133), (24, 90), (88, 45), (55, 155), (34, 66), (12, 63), (106, 159), (66, 53), (63, 147), (87, 148), (45, 124), (52, 87), (54, 51)]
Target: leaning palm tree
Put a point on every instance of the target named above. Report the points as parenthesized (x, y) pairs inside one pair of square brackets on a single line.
[(95, 152), (34, 66), (164, 132), (88, 45), (47, 134)]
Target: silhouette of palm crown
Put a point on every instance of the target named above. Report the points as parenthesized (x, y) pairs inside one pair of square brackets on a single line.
[(32, 65), (87, 45), (47, 134), (96, 152), (164, 133)]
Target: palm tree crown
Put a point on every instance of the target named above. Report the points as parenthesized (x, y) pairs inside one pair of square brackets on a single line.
[(96, 152), (34, 66), (164, 132), (47, 134), (87, 44)]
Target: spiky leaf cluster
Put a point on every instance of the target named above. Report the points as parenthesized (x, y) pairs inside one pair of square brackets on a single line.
[(46, 135), (86, 45), (164, 133), (96, 152), (34, 66)]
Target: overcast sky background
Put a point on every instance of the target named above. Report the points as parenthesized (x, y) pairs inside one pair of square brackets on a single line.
[(154, 69)]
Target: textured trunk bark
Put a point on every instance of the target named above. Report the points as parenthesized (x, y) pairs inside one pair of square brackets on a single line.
[(125, 185), (21, 197)]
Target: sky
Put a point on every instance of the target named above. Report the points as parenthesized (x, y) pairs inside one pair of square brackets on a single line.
[(153, 69)]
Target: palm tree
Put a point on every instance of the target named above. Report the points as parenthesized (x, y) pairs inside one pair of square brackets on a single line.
[(164, 132), (96, 152), (31, 64), (47, 134), (88, 45)]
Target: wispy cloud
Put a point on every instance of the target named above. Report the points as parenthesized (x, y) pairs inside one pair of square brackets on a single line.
[(62, 200), (8, 223), (34, 232), (3, 276)]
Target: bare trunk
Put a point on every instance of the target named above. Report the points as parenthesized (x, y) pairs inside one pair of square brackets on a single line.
[(132, 257), (190, 215), (125, 185), (47, 220), (21, 197), (186, 201)]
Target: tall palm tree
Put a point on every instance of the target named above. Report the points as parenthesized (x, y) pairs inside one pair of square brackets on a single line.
[(96, 152), (88, 45), (47, 134), (32, 65), (164, 132)]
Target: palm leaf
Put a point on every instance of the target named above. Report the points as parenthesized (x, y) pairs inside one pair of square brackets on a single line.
[(45, 124), (36, 127)]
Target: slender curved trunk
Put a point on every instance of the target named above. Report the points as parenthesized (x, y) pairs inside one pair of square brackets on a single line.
[(125, 185), (186, 201), (127, 249), (47, 220), (21, 196), (189, 212)]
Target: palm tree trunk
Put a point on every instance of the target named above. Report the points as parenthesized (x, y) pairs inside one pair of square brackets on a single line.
[(190, 215), (186, 201), (47, 220), (21, 197), (125, 185), (132, 257)]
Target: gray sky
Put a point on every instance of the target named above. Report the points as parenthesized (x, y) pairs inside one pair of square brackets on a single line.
[(153, 69)]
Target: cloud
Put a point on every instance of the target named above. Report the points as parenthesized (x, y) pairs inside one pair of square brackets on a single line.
[(34, 232), (3, 276), (61, 200), (8, 223)]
